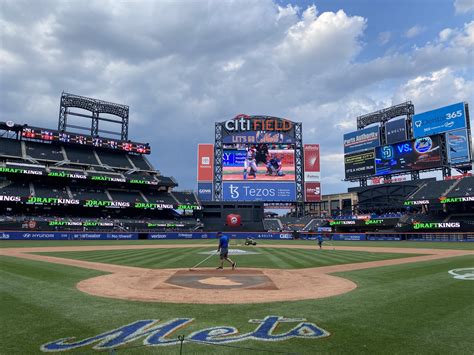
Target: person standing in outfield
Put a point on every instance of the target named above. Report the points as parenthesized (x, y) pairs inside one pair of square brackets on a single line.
[(320, 241), (223, 250)]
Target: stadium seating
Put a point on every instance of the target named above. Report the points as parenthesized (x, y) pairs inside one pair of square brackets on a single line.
[(432, 190), (313, 225), (10, 188), (167, 181), (185, 197), (114, 159), (295, 223), (43, 190), (87, 193), (139, 162), (141, 175), (160, 197), (130, 196), (272, 224), (463, 188), (81, 155), (42, 151), (10, 147)]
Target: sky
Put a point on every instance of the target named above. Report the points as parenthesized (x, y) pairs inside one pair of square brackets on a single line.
[(183, 65)]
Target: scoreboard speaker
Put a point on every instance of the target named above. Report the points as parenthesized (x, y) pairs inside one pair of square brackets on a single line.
[(233, 220)]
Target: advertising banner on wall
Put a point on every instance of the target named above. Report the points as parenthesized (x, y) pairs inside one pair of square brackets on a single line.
[(363, 139), (422, 153), (259, 191), (396, 131), (359, 164), (205, 162), (458, 147), (311, 163), (205, 191), (441, 120), (312, 191)]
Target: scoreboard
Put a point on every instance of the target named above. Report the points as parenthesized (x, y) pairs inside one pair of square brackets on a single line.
[(85, 140)]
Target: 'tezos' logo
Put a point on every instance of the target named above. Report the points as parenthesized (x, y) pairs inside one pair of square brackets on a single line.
[(234, 191)]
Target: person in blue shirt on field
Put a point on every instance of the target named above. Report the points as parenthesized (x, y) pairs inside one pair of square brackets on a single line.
[(223, 250), (320, 241)]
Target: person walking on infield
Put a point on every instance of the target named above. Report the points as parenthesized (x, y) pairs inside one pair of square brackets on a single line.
[(320, 241), (223, 250)]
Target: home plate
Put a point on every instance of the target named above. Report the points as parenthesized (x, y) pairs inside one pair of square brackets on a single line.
[(219, 281)]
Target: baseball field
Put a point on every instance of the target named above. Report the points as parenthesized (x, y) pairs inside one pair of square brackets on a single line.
[(140, 297)]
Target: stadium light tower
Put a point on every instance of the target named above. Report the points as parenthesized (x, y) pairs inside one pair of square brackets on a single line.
[(96, 108)]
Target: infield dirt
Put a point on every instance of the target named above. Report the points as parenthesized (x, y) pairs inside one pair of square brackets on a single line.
[(227, 287)]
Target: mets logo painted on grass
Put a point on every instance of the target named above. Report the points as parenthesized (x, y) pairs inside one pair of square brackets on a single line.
[(466, 273), (155, 333)]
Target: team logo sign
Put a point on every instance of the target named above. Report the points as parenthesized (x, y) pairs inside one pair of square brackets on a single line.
[(155, 333), (463, 274)]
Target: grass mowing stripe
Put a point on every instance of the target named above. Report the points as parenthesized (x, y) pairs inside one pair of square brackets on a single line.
[(291, 256), (277, 260), (269, 257), (315, 257), (179, 255)]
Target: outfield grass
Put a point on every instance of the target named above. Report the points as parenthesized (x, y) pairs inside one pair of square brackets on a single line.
[(278, 258), (382, 244), (409, 308)]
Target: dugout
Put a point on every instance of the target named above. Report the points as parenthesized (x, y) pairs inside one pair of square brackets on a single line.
[(214, 216)]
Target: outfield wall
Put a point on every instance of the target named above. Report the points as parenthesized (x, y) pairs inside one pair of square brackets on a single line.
[(457, 237)]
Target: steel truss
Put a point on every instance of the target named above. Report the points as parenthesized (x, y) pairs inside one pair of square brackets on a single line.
[(96, 107)]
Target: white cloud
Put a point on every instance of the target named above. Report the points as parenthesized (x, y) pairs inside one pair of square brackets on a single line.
[(384, 37), (181, 66), (445, 34), (310, 42), (414, 31), (437, 89), (463, 6)]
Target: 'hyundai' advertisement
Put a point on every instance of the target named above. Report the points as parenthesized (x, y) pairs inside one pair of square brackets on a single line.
[(259, 191), (422, 153)]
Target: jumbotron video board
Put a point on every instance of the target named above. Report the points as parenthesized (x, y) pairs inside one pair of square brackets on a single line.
[(258, 158), (430, 140), (420, 154)]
